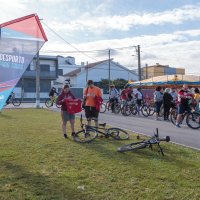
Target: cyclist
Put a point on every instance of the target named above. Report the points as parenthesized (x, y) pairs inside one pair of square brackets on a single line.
[(92, 95), (139, 98), (167, 103), (197, 99), (124, 94), (11, 96), (52, 94), (184, 97), (113, 97)]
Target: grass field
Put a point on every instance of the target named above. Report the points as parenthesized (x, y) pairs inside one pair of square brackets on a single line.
[(37, 163)]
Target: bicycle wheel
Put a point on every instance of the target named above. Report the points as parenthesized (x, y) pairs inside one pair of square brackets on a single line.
[(173, 116), (48, 103), (145, 111), (117, 108), (103, 108), (118, 134), (126, 110), (85, 136), (132, 147), (133, 109), (58, 106), (16, 102), (193, 120), (151, 110)]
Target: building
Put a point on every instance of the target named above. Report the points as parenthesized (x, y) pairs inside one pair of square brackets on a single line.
[(98, 71), (160, 70), (26, 87)]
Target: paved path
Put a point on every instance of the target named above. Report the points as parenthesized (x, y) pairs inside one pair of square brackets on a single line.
[(184, 136)]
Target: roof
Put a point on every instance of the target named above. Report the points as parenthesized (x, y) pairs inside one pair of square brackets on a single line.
[(89, 66)]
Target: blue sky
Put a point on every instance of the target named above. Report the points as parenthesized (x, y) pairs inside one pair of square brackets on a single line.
[(167, 31)]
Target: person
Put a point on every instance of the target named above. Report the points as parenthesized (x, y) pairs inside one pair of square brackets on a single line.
[(158, 99), (139, 97), (92, 95), (11, 96), (52, 94), (65, 116), (124, 94), (174, 97), (167, 101), (184, 97), (197, 99), (113, 97)]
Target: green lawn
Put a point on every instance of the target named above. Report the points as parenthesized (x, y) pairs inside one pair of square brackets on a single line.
[(37, 163)]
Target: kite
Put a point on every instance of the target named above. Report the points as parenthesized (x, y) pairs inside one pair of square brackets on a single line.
[(20, 40)]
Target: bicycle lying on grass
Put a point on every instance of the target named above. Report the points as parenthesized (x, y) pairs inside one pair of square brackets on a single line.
[(145, 143), (89, 133)]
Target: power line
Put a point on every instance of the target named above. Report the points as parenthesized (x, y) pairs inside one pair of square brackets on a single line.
[(67, 42)]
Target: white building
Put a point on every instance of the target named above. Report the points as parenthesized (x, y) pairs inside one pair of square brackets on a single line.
[(97, 71)]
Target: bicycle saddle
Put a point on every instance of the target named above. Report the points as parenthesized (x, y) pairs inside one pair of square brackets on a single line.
[(104, 124)]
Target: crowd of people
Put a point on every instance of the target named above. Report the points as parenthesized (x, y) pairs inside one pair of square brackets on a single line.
[(163, 97)]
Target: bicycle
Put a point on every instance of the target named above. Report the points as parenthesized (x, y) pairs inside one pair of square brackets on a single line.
[(145, 143), (108, 105), (192, 118), (13, 100), (90, 133), (49, 103)]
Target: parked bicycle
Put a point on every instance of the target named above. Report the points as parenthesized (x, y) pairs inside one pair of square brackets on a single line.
[(89, 133), (12, 100), (49, 103), (155, 140)]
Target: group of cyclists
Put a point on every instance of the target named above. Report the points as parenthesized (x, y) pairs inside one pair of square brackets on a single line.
[(164, 99)]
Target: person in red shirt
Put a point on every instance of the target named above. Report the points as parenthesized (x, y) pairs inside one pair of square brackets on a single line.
[(66, 94), (124, 93), (184, 96)]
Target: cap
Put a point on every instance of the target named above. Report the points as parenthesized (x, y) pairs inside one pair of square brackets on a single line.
[(90, 82)]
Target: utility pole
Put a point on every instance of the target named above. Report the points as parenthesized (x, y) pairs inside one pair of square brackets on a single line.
[(86, 72), (146, 72), (37, 81), (109, 70), (139, 63)]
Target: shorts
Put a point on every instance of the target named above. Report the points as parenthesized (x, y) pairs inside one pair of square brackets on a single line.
[(182, 108), (91, 112), (158, 105), (66, 116), (139, 102)]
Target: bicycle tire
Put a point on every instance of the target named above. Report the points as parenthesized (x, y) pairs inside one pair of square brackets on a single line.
[(117, 108), (85, 137), (48, 103), (134, 110), (16, 102), (192, 119), (145, 111), (126, 110), (132, 147), (118, 134), (58, 106), (173, 116), (103, 108), (151, 110)]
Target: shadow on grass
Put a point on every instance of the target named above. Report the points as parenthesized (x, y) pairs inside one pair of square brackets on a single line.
[(5, 116), (107, 148), (40, 186)]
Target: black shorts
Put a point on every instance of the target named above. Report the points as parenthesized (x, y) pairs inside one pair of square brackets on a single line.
[(91, 112), (182, 108)]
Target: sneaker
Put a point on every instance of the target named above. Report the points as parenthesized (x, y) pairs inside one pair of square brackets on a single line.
[(65, 136), (178, 126), (73, 134)]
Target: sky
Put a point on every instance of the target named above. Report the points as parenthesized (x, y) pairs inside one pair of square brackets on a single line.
[(168, 31)]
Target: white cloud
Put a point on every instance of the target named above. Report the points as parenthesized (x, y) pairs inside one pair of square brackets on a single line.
[(124, 23)]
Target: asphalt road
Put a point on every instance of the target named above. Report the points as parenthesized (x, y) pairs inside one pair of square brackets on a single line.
[(147, 126)]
